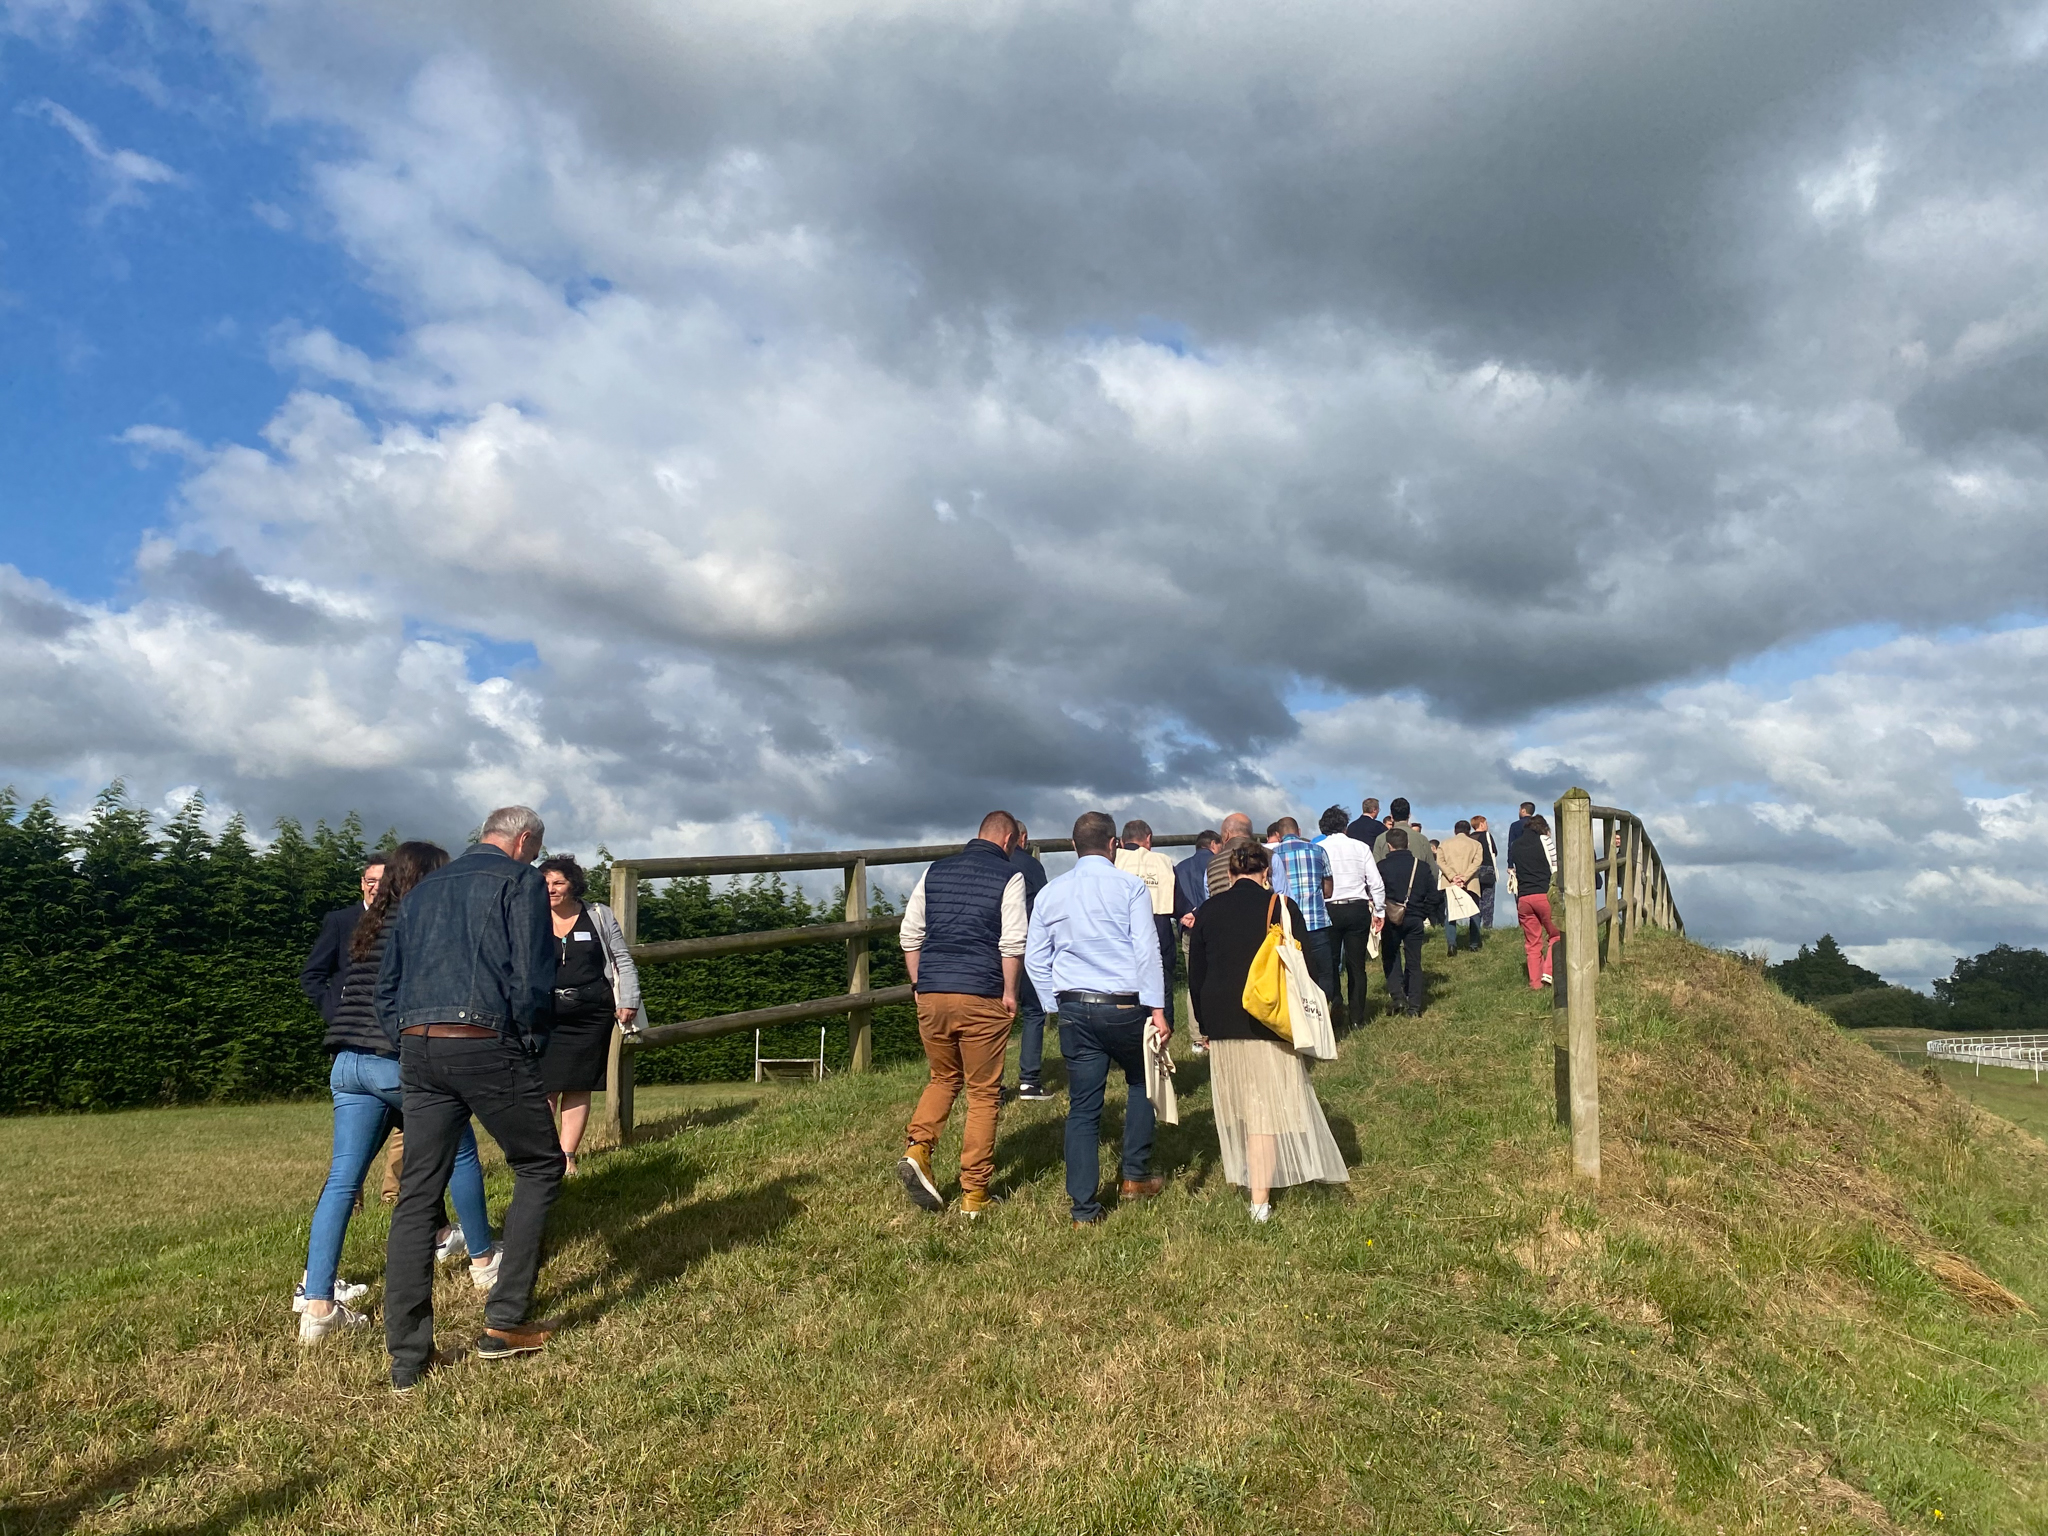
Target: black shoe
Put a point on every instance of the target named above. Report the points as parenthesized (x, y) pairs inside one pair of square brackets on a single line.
[(1032, 1091), (405, 1377)]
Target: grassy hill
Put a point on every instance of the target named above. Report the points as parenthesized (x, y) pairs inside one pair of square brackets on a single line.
[(1793, 1304)]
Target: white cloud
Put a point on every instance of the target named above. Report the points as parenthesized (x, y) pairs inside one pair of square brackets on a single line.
[(122, 173)]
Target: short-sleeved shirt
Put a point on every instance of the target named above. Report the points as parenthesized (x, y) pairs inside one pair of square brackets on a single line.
[(1299, 869)]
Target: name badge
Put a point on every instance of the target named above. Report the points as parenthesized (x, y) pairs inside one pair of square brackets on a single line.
[(584, 938)]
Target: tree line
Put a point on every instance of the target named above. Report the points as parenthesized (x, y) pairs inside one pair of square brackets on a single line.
[(2004, 990), (151, 963)]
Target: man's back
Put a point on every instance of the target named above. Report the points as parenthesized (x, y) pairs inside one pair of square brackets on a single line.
[(1423, 852), (1300, 869), (1085, 932), (1366, 829), (1460, 858), (472, 944), (965, 914), (1155, 869)]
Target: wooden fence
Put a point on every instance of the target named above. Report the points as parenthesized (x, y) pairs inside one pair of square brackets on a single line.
[(1596, 935), (858, 1002), (1619, 861)]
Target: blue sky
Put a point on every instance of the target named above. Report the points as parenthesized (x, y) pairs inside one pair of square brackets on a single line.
[(156, 302)]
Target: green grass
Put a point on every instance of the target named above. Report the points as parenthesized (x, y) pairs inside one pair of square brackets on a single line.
[(1756, 1322), (2005, 1091)]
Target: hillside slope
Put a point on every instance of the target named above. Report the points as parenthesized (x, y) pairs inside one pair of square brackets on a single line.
[(1796, 1301)]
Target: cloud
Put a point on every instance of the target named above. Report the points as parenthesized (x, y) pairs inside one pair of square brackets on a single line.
[(122, 173), (871, 414)]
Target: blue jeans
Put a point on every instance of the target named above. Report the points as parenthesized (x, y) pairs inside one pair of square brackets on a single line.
[(1471, 927), (1093, 1036), (367, 1103), (1031, 1047)]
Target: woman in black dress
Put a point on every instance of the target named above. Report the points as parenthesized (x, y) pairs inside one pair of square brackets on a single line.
[(595, 987)]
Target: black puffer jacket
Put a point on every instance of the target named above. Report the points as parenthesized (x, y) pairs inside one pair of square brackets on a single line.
[(354, 1026)]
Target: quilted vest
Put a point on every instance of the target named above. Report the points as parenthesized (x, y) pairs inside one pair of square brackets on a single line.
[(963, 922)]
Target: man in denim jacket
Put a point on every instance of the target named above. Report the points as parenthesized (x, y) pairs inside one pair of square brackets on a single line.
[(465, 994)]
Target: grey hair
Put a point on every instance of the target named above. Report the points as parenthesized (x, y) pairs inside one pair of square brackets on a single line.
[(511, 821)]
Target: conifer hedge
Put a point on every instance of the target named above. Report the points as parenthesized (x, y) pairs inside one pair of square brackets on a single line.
[(159, 965)]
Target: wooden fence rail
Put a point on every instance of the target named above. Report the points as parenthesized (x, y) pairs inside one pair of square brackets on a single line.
[(858, 1002), (1638, 895)]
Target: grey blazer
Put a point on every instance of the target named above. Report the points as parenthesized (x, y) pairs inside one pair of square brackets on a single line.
[(618, 960)]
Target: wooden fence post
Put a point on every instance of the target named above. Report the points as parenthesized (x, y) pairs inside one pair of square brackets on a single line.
[(1619, 869), (860, 1023), (618, 1070), (1582, 976)]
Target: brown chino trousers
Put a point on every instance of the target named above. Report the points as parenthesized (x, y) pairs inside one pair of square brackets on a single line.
[(964, 1041)]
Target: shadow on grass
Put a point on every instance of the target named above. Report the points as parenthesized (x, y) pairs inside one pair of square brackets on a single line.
[(667, 1126), (90, 1499), (660, 1247)]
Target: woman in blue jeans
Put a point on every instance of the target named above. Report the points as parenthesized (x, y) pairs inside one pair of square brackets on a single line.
[(367, 1103)]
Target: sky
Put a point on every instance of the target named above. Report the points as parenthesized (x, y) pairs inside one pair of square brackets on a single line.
[(731, 426)]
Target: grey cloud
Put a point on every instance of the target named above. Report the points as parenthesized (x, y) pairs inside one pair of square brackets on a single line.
[(220, 583), (2004, 394)]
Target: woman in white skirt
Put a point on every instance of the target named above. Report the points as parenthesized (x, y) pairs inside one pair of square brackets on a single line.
[(1270, 1126)]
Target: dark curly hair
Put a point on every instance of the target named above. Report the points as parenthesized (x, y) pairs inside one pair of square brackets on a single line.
[(1249, 859), (569, 870)]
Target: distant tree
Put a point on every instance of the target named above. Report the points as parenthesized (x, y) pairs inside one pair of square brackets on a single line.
[(2004, 989), (1822, 970)]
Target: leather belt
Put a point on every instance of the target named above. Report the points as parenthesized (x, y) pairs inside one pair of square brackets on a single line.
[(1110, 999), (450, 1031)]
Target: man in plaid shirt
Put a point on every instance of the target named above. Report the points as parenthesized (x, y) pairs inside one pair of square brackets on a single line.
[(1302, 870)]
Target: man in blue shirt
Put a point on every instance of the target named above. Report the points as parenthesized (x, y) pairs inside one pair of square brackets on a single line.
[(1093, 949)]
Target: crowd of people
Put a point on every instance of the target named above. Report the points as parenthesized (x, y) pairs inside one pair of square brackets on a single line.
[(989, 938), (482, 987)]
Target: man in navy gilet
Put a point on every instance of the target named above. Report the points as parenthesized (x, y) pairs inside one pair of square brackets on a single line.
[(963, 940)]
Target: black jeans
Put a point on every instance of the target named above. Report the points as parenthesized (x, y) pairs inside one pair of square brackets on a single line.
[(1169, 960), (1401, 955), (1351, 921), (1319, 947), (1031, 1047), (446, 1080)]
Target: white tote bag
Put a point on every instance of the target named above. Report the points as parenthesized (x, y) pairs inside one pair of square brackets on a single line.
[(1308, 1010), (1458, 904)]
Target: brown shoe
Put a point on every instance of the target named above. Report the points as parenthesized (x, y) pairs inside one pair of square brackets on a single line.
[(1145, 1188), (521, 1339)]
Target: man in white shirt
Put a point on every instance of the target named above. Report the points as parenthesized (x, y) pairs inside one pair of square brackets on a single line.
[(963, 940), (1356, 903), (1094, 950)]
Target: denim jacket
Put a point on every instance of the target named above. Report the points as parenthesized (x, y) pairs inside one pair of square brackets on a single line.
[(472, 944)]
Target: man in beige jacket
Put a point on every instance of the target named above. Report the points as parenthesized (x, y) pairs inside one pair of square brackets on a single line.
[(1458, 862), (1135, 856)]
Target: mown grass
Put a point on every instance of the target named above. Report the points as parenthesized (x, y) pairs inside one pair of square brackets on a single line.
[(1762, 1319)]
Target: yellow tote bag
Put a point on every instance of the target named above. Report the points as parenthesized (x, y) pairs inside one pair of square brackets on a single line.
[(1265, 984)]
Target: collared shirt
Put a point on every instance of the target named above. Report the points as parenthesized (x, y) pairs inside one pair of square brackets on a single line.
[(1353, 875), (1092, 931), (1299, 868), (1156, 870)]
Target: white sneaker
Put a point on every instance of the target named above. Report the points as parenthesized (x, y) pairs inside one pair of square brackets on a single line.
[(485, 1275), (450, 1245), (344, 1291), (1262, 1212), (313, 1327)]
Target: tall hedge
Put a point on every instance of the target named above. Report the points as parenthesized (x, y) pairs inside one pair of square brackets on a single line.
[(146, 964)]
